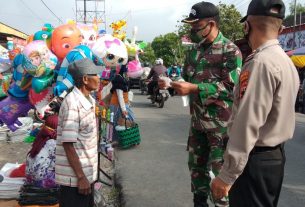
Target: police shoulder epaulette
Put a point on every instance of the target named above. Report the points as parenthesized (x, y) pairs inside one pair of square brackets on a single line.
[(250, 57)]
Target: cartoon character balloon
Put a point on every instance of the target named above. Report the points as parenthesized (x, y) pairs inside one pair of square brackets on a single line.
[(89, 34), (22, 80), (112, 50), (64, 79), (64, 39), (45, 34), (39, 62)]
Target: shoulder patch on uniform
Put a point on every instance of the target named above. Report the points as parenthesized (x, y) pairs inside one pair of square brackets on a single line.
[(250, 57), (243, 82)]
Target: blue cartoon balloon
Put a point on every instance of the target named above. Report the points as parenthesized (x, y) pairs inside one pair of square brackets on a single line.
[(64, 80)]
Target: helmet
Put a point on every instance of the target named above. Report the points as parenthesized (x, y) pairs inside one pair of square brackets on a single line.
[(159, 61)]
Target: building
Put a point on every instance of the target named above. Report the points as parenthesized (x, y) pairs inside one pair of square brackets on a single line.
[(9, 33)]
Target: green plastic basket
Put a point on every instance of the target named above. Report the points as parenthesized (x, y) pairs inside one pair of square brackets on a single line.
[(129, 137)]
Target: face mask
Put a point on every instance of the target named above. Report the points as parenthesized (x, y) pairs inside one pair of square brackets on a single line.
[(198, 38)]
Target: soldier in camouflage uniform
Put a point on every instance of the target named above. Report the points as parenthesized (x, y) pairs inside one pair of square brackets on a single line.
[(211, 70)]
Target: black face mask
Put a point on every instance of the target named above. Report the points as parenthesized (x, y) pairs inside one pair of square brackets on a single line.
[(199, 38)]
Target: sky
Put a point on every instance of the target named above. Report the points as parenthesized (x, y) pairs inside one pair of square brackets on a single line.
[(152, 17)]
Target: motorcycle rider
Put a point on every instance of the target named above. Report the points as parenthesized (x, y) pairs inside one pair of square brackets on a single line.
[(157, 70), (146, 71), (174, 72)]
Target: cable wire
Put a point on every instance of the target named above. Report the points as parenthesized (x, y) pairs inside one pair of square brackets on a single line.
[(52, 12), (33, 13)]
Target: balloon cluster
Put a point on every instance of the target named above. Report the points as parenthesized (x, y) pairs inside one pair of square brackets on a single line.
[(40, 69)]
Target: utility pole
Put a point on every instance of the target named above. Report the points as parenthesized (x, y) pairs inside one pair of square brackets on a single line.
[(294, 23), (90, 11), (85, 12)]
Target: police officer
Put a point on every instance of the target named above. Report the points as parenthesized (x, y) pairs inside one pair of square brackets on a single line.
[(263, 114), (211, 70)]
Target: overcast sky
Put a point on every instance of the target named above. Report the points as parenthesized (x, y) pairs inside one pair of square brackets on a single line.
[(153, 17)]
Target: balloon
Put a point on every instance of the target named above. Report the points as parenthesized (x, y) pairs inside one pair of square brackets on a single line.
[(5, 62), (41, 100), (11, 108), (30, 39), (89, 34), (134, 69), (4, 84), (45, 36), (22, 80), (13, 53), (38, 59), (64, 39), (117, 29), (112, 50), (64, 79)]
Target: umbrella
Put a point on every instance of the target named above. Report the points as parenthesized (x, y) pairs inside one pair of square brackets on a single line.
[(298, 57)]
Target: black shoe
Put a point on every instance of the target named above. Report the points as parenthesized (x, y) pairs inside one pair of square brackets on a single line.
[(200, 201)]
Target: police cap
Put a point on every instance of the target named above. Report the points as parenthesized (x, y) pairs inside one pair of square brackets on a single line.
[(265, 8)]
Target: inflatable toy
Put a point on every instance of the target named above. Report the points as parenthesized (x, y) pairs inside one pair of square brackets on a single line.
[(65, 38), (89, 34), (64, 79), (11, 108)]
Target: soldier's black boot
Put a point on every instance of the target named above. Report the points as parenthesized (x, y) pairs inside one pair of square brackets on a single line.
[(200, 201)]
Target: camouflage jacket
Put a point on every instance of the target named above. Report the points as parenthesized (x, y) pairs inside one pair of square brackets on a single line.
[(215, 68)]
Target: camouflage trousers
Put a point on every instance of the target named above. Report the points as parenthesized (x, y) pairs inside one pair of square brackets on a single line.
[(206, 151)]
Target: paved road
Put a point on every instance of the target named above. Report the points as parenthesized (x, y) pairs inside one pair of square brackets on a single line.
[(155, 173)]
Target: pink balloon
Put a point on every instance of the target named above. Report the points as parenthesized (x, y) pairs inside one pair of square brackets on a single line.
[(134, 69)]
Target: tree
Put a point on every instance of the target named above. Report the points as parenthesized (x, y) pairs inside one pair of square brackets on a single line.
[(148, 55), (229, 22), (169, 48), (300, 10)]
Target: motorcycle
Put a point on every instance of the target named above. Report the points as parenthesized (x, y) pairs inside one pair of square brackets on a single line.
[(143, 87), (143, 82), (159, 96)]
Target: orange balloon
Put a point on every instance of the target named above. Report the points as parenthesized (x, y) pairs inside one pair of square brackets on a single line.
[(64, 39), (30, 39)]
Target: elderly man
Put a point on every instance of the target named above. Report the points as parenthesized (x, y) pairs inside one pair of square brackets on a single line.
[(76, 150), (263, 116)]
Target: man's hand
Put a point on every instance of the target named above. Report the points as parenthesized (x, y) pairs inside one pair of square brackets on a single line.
[(219, 188), (84, 187), (184, 88)]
